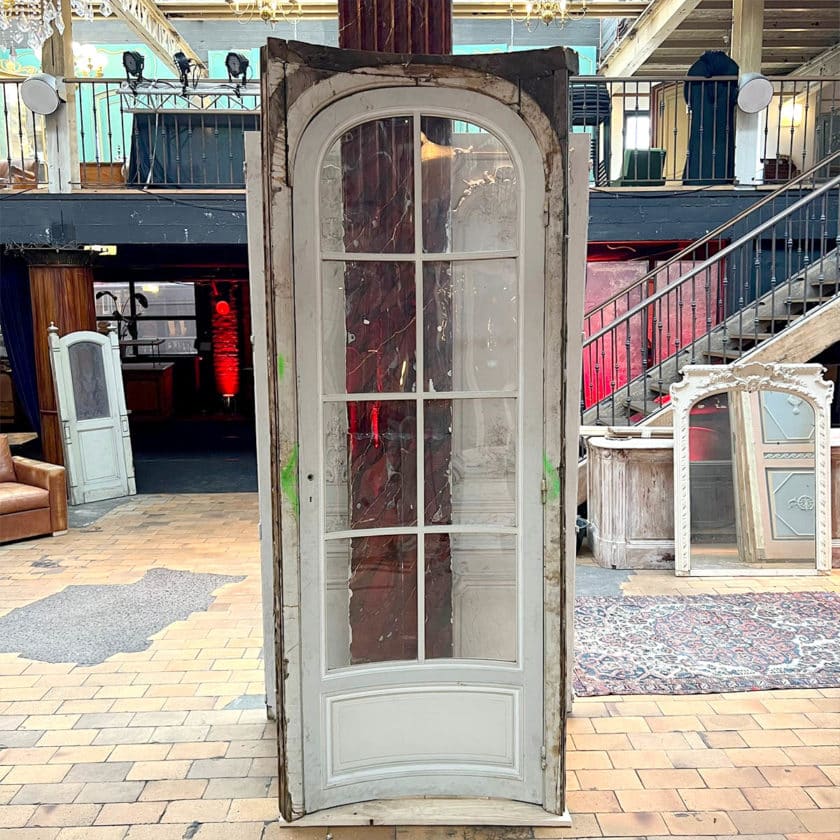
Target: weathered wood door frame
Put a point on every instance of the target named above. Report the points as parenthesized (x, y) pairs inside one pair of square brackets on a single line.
[(298, 82)]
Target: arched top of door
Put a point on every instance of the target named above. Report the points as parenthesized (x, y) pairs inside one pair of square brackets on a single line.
[(529, 86)]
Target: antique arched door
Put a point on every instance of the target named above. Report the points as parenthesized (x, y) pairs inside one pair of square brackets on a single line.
[(420, 399), (94, 421)]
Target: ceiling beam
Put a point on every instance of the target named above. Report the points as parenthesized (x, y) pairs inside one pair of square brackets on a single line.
[(826, 63), (148, 21), (649, 30), (467, 9)]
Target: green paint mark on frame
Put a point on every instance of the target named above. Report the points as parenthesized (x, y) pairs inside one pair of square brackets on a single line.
[(288, 480), (281, 365), (552, 479)]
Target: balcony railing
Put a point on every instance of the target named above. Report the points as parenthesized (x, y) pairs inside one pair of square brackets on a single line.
[(160, 136), (154, 136), (681, 131)]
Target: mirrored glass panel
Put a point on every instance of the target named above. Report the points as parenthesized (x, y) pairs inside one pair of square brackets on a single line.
[(370, 464), (371, 600), (471, 315), (470, 189), (752, 482), (367, 189), (470, 462), (369, 323), (90, 388), (471, 603)]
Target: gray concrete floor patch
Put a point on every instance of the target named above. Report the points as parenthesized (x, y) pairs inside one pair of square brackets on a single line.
[(595, 580), (87, 624)]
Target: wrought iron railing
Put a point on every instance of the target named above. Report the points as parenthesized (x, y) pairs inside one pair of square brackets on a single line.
[(156, 136), (716, 299), (681, 130), (22, 141)]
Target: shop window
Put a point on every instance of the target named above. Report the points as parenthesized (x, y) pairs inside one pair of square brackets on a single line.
[(148, 312)]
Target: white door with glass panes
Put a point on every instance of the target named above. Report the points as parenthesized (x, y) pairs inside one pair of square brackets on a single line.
[(419, 312), (94, 421)]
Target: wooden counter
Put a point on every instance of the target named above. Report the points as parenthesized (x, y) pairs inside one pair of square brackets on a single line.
[(148, 388)]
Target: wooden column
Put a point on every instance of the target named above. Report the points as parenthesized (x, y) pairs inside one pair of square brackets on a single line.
[(405, 26), (747, 39), (61, 286), (62, 152)]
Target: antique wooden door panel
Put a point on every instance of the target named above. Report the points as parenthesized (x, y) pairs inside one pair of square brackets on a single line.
[(94, 423), (420, 404)]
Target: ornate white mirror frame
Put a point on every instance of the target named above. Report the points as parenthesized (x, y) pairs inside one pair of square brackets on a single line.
[(702, 381)]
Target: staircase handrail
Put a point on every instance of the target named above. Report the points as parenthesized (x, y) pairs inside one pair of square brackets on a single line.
[(708, 263), (699, 243)]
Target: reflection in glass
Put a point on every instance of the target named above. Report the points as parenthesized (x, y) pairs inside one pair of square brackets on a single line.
[(371, 587), (87, 372), (367, 189), (470, 312), (470, 189), (370, 464), (478, 483), (481, 609), (369, 327), (752, 482)]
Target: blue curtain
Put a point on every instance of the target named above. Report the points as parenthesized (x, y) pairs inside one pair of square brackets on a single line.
[(16, 326)]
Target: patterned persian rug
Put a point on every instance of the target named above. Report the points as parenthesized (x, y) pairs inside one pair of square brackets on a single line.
[(706, 644)]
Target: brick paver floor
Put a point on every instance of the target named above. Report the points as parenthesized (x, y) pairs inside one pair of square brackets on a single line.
[(167, 744)]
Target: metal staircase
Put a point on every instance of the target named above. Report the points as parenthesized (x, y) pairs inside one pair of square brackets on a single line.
[(764, 285)]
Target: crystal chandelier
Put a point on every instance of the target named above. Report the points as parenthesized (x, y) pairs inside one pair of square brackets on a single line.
[(547, 12), (32, 22), (28, 22), (268, 11)]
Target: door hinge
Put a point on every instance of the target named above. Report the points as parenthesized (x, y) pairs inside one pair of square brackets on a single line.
[(542, 758), (543, 495)]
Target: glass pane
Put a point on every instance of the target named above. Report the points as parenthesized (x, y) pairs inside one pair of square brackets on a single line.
[(470, 189), (111, 298), (367, 189), (369, 327), (470, 595), (470, 462), (371, 600), (179, 337), (792, 504), (370, 465), (90, 390), (786, 418), (470, 312), (714, 537), (165, 300)]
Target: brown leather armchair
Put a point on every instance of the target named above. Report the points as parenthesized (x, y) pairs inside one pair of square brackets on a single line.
[(33, 497)]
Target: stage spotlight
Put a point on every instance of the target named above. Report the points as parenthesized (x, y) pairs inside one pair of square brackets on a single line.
[(134, 62), (183, 65), (237, 67)]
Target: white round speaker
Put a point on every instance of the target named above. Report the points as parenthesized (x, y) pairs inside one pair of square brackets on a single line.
[(755, 93), (40, 93)]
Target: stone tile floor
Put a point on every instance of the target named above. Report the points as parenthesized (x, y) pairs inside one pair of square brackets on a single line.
[(165, 744)]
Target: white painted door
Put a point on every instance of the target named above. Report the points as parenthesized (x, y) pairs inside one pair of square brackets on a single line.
[(419, 292), (94, 422)]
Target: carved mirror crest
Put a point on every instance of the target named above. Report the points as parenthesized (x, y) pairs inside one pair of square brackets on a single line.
[(751, 470)]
